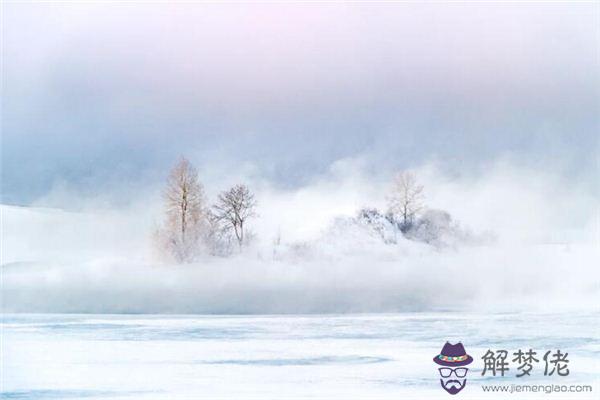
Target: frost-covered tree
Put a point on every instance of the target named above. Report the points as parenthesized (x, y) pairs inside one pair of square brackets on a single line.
[(185, 213), (382, 225), (406, 199), (233, 209), (433, 227), (437, 228)]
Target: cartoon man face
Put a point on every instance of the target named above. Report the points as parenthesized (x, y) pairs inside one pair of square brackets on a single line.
[(452, 379), (453, 373)]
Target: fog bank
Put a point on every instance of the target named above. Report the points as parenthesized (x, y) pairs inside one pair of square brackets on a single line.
[(536, 246)]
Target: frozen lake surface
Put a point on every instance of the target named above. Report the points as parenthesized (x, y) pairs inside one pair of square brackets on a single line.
[(281, 357)]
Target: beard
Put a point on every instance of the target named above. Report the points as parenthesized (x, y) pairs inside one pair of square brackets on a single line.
[(453, 386)]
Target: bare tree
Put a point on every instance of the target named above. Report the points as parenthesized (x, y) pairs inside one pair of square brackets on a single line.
[(406, 198), (186, 216), (233, 209)]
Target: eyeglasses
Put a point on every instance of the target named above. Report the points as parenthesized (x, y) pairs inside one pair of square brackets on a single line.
[(459, 372)]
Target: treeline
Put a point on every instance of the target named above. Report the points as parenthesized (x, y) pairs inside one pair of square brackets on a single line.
[(193, 227)]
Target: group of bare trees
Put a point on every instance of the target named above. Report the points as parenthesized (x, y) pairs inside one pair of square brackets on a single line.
[(191, 226)]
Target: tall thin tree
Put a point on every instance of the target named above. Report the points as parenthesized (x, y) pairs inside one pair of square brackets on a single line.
[(185, 211), (406, 198)]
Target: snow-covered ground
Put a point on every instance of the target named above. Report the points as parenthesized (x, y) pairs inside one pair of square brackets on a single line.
[(60, 356)]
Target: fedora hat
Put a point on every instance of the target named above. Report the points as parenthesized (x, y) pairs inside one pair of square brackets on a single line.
[(453, 355)]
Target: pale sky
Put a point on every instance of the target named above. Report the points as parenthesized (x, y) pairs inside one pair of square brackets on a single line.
[(100, 96)]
